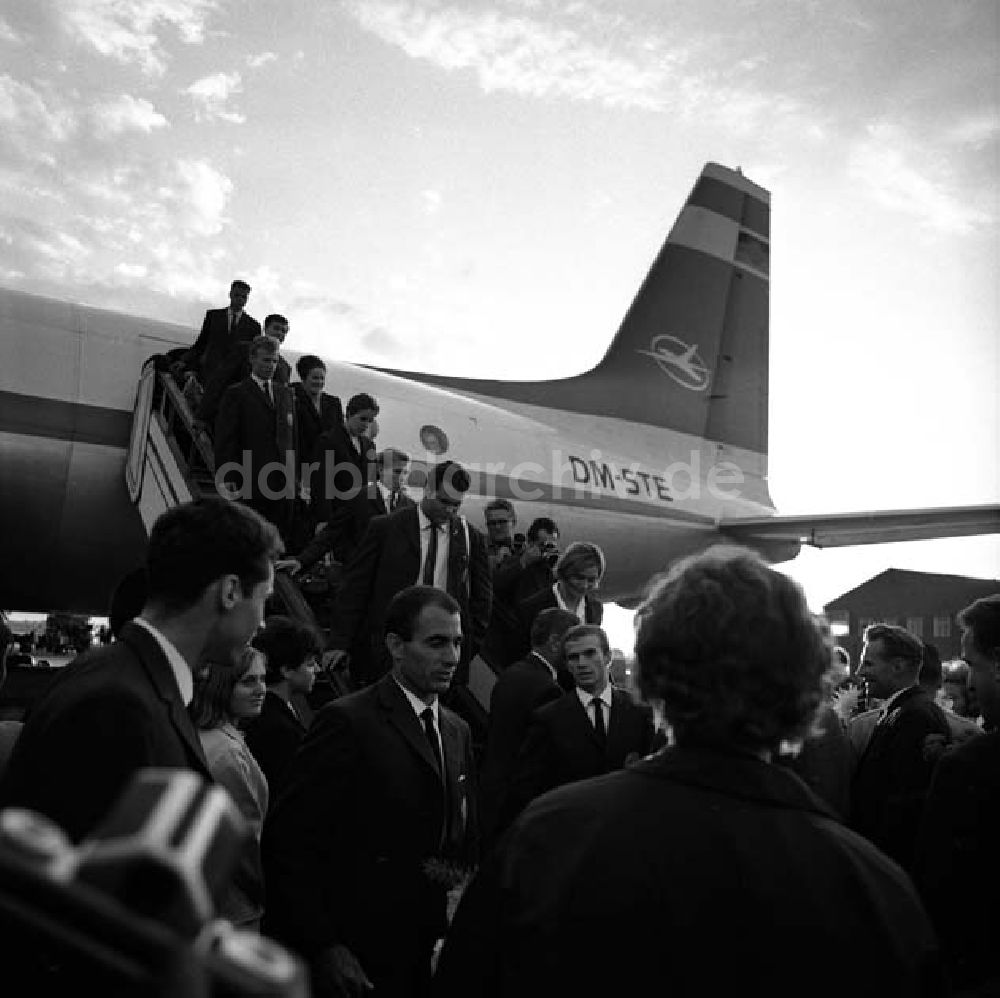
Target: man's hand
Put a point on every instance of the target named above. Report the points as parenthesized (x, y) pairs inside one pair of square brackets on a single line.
[(336, 659), (339, 973), (532, 553)]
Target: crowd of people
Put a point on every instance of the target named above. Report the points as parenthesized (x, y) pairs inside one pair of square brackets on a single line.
[(738, 821)]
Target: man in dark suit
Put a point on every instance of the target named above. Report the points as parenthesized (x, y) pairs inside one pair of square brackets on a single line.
[(520, 690), (429, 543), (119, 708), (381, 798), (891, 780), (255, 439), (222, 332), (717, 872), (592, 730), (956, 869), (578, 573), (347, 473), (235, 367)]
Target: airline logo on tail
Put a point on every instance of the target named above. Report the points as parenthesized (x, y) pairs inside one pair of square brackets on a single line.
[(679, 361)]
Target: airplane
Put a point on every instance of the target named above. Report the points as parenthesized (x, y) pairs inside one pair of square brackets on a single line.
[(658, 451)]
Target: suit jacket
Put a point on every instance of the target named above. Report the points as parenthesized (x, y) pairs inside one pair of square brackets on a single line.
[(364, 809), (529, 608), (891, 780), (522, 688), (388, 560), (956, 869), (562, 746), (248, 421), (688, 848), (233, 369), (274, 737), (112, 711), (340, 534), (216, 344), (343, 488), (312, 426)]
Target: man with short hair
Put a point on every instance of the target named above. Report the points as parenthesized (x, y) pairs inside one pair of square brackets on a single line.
[(380, 799), (236, 366), (519, 691), (430, 544), (119, 708), (390, 468), (222, 332), (895, 770), (256, 441), (957, 870), (593, 729)]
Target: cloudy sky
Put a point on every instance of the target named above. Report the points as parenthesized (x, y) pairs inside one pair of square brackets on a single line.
[(479, 187)]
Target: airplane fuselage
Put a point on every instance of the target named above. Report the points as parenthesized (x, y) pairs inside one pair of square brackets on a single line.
[(69, 375)]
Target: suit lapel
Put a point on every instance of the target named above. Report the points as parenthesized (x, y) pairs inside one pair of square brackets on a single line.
[(149, 653), (403, 718), (458, 561), (620, 703), (578, 717)]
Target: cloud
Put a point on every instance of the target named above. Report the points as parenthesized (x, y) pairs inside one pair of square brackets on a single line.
[(256, 61), (127, 113), (32, 120), (129, 31), (200, 196), (8, 34), (578, 51), (431, 201), (902, 174), (975, 130), (210, 95)]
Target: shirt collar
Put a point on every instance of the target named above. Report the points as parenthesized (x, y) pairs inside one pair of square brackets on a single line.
[(586, 697), (580, 610), (548, 664), (178, 666), (425, 520), (260, 381), (417, 704)]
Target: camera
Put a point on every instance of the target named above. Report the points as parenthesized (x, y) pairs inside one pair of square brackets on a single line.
[(550, 553), (517, 547)]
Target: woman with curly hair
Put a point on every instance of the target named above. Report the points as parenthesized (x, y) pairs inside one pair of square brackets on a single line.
[(224, 698), (722, 872)]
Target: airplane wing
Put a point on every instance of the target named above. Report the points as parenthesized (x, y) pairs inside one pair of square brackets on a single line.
[(870, 527)]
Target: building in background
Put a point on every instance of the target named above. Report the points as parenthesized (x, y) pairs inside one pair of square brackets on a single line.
[(924, 603)]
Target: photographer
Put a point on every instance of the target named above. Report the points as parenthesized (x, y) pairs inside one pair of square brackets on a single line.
[(521, 567)]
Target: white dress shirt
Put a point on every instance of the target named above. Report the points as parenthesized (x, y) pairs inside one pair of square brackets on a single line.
[(604, 701)]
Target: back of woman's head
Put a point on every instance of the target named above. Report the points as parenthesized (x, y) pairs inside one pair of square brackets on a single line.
[(730, 648)]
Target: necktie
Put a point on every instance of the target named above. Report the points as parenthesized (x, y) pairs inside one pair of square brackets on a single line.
[(427, 716), (602, 732), (393, 500), (234, 321), (267, 392), (432, 551)]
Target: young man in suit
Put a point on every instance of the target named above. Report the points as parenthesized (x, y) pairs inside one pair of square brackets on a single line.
[(236, 367), (957, 870), (429, 544), (222, 332), (521, 689), (592, 730), (119, 708), (380, 795), (892, 776), (255, 439)]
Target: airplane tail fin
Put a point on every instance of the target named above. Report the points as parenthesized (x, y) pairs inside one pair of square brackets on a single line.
[(692, 351)]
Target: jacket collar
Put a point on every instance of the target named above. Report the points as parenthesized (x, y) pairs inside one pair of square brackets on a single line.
[(735, 774)]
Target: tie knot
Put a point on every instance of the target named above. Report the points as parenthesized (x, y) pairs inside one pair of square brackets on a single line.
[(428, 715)]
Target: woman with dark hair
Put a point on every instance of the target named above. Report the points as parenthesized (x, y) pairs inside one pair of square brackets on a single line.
[(292, 649), (316, 411), (725, 873), (226, 696)]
